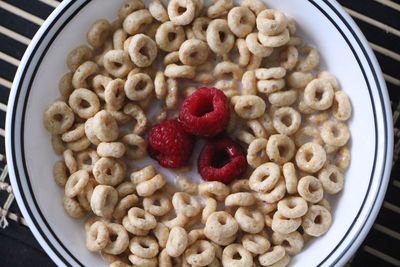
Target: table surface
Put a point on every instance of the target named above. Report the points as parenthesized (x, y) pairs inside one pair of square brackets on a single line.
[(378, 19)]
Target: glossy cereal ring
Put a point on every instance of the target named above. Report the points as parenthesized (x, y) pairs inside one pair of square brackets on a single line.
[(289, 57), (181, 12), (161, 233), (185, 204), (280, 148), (264, 177), (335, 133), (97, 236), (123, 205), (138, 87), (310, 62), (249, 106), (193, 52), (341, 106), (219, 8), (135, 20), (200, 26), (184, 184), (79, 55), (142, 175), (147, 188), (229, 259), (99, 84), (240, 199), (177, 241), (157, 204), (180, 71), (81, 76), (310, 188), (310, 157), (144, 246), (284, 225), (99, 33), (214, 189), (58, 118), (283, 98), (200, 253), (112, 149), (138, 261), (319, 94), (108, 171), (221, 228), (271, 22), (256, 152), (332, 179), (292, 207), (141, 219), (76, 183), (219, 37), (286, 120), (114, 95), (294, 242), (299, 79), (274, 40), (103, 200), (249, 220), (120, 242), (158, 11), (169, 36), (241, 21), (254, 5), (142, 50), (318, 227), (117, 63), (255, 47)]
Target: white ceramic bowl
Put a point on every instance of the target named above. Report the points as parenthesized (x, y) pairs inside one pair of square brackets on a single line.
[(344, 52)]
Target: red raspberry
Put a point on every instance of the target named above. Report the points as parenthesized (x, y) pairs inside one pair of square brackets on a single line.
[(205, 113), (222, 160), (169, 144)]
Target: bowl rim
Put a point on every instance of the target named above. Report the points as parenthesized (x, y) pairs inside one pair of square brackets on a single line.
[(340, 14)]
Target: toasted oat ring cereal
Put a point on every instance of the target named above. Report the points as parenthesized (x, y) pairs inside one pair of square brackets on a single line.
[(73, 208), (221, 228), (177, 241), (74, 134), (157, 204), (60, 173), (318, 227), (126, 188), (280, 148), (180, 71), (241, 21), (138, 261), (186, 185), (58, 118), (103, 201), (177, 16), (158, 11), (133, 229), (219, 8), (97, 236), (271, 22), (161, 233), (193, 52), (119, 239), (160, 85), (310, 188), (310, 62), (114, 95), (200, 253), (142, 175), (138, 115), (228, 68), (289, 174), (249, 220), (319, 94), (135, 20), (142, 50), (209, 208), (299, 79), (241, 199), (128, 7), (141, 219), (79, 55), (284, 225), (117, 63), (310, 157), (112, 149), (219, 37), (256, 243), (286, 120), (65, 85), (200, 26), (289, 57), (255, 47), (169, 36), (292, 207), (243, 52), (123, 205), (341, 106), (307, 134), (90, 132), (138, 87), (99, 84), (270, 86), (83, 73), (147, 188), (58, 144), (256, 152), (278, 40), (264, 177), (135, 146), (214, 189), (342, 159), (249, 106), (194, 235), (185, 204), (119, 37), (241, 185), (76, 183), (254, 5), (294, 240), (335, 133), (78, 145), (276, 194), (108, 171), (105, 126), (283, 98), (98, 33), (244, 259), (332, 179), (144, 246)]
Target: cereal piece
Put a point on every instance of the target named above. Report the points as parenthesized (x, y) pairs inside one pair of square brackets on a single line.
[(264, 177), (310, 157), (73, 208), (60, 173), (201, 253), (310, 62), (117, 63), (219, 8), (271, 22), (171, 57), (90, 132), (280, 148), (119, 37), (103, 201), (177, 241), (291, 180), (307, 134), (161, 232), (219, 37), (75, 133), (70, 161), (286, 120), (229, 257), (160, 85), (98, 33), (123, 205), (58, 118), (114, 95), (83, 73), (256, 243), (243, 51), (99, 84), (332, 179), (147, 188), (341, 106), (255, 47), (158, 11), (200, 26), (138, 261), (97, 236), (113, 149), (284, 225), (241, 21), (193, 52), (250, 221), (289, 57), (135, 20), (249, 106), (331, 79), (139, 116), (315, 227), (99, 56), (276, 194), (119, 239), (79, 55), (274, 40), (169, 36), (133, 229), (249, 83), (76, 183), (270, 86), (299, 79), (185, 204), (228, 68), (283, 98), (343, 157), (144, 246), (181, 12), (254, 5), (108, 171), (138, 87), (78, 145), (209, 208), (84, 103), (157, 204), (142, 50), (142, 175), (310, 188), (221, 228), (292, 207), (254, 63), (128, 7), (171, 101), (141, 219), (319, 94), (335, 133), (294, 242), (256, 152), (186, 185), (65, 85), (214, 189), (241, 199), (179, 71)]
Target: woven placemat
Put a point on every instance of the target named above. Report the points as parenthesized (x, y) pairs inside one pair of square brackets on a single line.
[(378, 19)]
